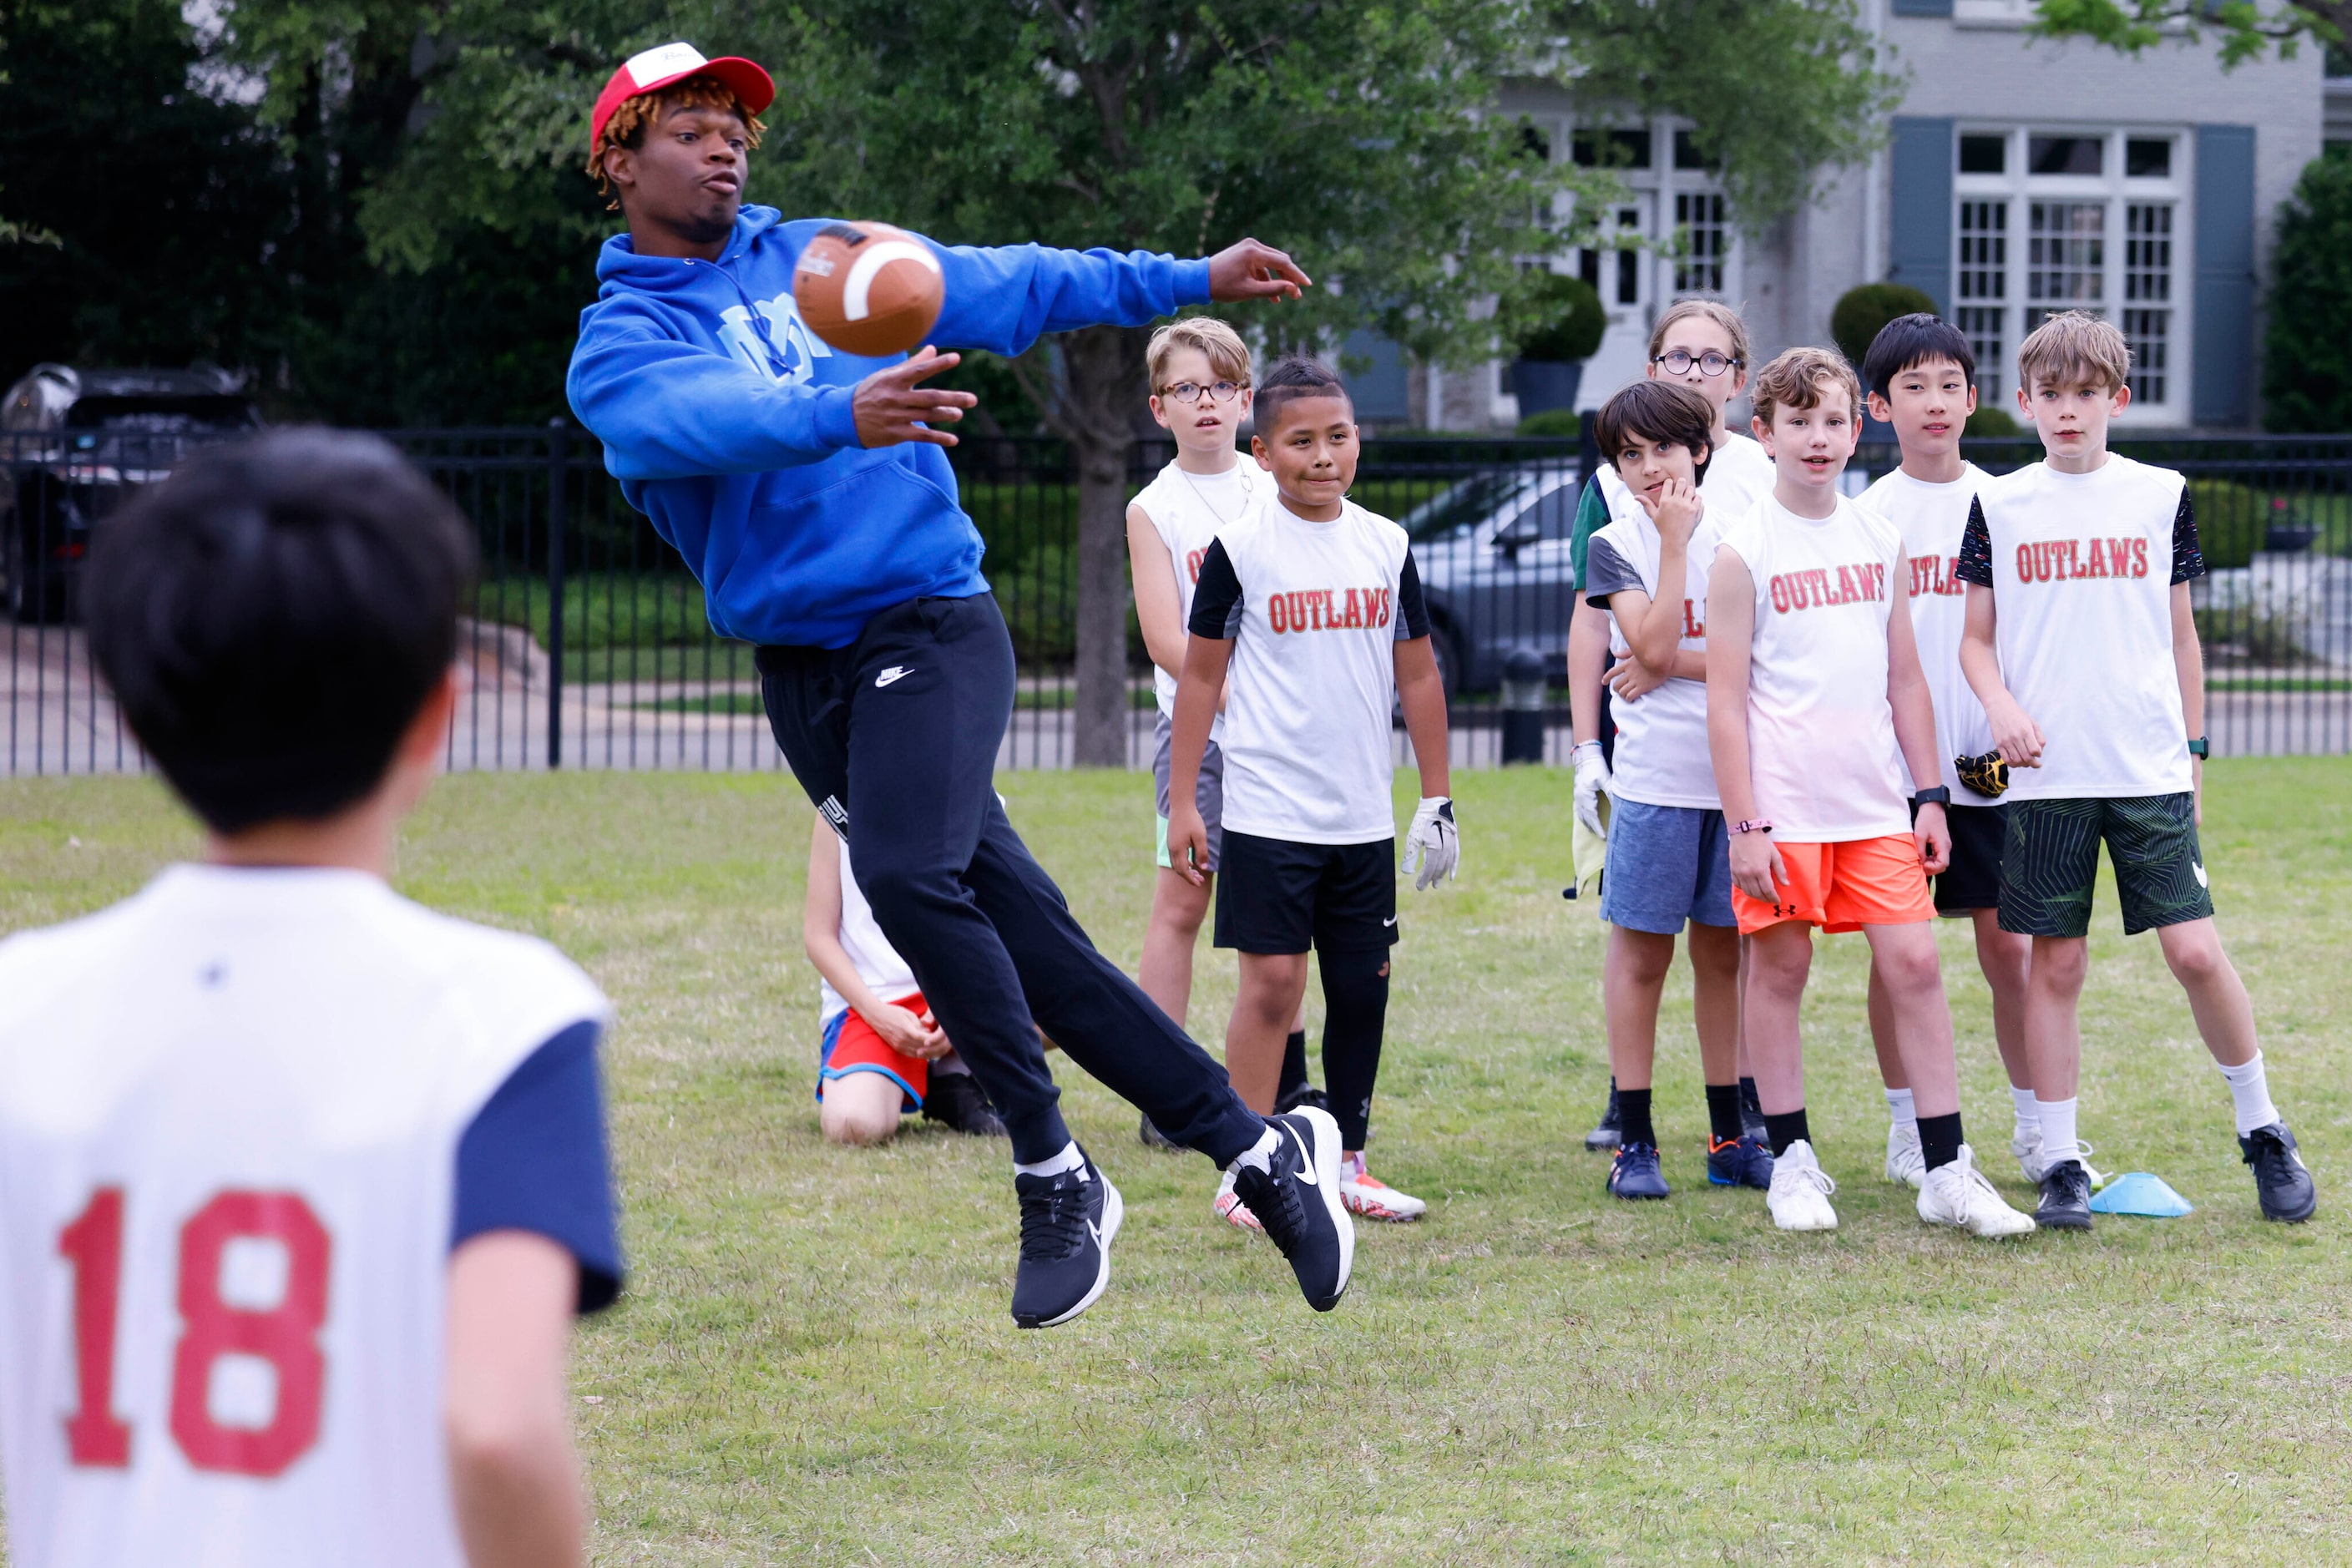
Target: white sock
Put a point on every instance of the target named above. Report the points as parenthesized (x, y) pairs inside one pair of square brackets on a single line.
[(1069, 1159), (2250, 1089), (1259, 1156), (2029, 1118), (2057, 1117), (1901, 1111)]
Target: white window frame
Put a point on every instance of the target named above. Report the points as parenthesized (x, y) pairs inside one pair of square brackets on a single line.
[(2120, 287)]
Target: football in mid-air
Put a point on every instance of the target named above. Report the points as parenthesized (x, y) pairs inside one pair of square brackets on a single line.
[(868, 288)]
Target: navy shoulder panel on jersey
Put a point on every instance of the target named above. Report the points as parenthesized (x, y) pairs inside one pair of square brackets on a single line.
[(1216, 596), (534, 1159), (1413, 608)]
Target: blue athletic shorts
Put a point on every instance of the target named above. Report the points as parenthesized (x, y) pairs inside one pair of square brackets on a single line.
[(1667, 863)]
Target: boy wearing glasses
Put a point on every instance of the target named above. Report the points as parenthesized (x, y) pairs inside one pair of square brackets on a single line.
[(1701, 344)]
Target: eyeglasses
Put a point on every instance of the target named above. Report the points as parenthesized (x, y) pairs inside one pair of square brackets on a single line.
[(1189, 392), (1678, 361)]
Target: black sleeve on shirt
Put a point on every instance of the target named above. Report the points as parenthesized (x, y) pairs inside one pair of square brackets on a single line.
[(1606, 573), (1412, 610), (2188, 557), (1974, 562), (1216, 595), (534, 1159)]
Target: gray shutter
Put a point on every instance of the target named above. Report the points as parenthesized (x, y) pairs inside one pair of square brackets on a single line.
[(1919, 251), (1923, 7), (2223, 301)]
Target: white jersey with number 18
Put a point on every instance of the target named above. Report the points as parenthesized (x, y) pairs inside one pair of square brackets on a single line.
[(229, 1115)]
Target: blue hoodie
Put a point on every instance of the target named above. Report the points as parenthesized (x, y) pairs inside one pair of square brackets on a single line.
[(727, 422)]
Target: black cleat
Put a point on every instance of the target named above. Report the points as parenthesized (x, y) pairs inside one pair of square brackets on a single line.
[(957, 1103), (1298, 1098), (1296, 1199), (2280, 1179), (1066, 1225), (1152, 1138), (1605, 1135), (2065, 1197)]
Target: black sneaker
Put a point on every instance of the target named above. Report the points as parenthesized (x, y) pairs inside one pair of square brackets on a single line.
[(1152, 1138), (1296, 1199), (2065, 1197), (1751, 1115), (2280, 1179), (1298, 1098), (957, 1103), (1605, 1135), (1066, 1225)]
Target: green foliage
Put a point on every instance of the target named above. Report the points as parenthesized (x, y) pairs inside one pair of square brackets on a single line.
[(1993, 421), (1862, 312), (2307, 359), (2245, 30), (2231, 522), (1563, 319), (1559, 422)]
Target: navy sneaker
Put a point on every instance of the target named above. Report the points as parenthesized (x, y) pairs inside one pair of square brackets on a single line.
[(2065, 1197), (1751, 1115), (1738, 1163), (1066, 1225), (957, 1103), (2280, 1179), (1605, 1135), (1635, 1173), (1296, 1201)]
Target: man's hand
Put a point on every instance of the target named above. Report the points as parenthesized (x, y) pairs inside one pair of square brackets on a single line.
[(1934, 834), (1188, 841), (1632, 679), (1249, 270), (1757, 868), (2016, 737), (1592, 781), (909, 1034), (890, 408), (1676, 511)]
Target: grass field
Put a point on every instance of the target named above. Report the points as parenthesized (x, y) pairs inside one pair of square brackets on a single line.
[(816, 1364)]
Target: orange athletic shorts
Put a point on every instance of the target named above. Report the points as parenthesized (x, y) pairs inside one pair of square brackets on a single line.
[(1844, 887), (850, 1044)]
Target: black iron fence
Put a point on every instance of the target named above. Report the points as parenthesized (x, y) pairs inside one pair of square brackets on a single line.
[(587, 646)]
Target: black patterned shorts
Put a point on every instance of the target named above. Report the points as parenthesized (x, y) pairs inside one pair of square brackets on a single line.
[(2051, 863)]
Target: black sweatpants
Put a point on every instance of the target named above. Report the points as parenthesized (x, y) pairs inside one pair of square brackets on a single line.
[(895, 739)]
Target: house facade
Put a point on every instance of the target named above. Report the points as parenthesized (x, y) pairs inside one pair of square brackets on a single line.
[(2020, 176)]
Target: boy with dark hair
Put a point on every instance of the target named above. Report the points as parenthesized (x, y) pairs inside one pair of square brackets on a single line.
[(271, 1066), (806, 487), (1309, 617), (1815, 707), (1667, 851), (1922, 379), (2082, 645)]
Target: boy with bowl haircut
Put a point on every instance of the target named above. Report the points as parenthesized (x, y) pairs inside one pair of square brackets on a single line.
[(1309, 615), (272, 1067), (2082, 646), (1922, 379), (1648, 574), (1815, 705)]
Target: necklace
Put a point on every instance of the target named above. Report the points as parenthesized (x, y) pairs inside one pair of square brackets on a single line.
[(1202, 496)]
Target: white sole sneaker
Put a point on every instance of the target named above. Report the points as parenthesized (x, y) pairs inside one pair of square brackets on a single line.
[(1903, 1161), (1798, 1198), (2030, 1159), (1957, 1194), (1369, 1197)]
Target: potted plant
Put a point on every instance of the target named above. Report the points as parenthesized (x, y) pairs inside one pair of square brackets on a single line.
[(1563, 323)]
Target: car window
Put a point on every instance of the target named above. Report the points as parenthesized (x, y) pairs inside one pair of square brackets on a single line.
[(1463, 505), (1555, 512)]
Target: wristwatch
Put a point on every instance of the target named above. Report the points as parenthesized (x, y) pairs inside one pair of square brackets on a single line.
[(1937, 796), (2200, 747)]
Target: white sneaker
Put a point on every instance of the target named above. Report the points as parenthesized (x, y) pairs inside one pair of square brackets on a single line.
[(1799, 1195), (1957, 1194), (1369, 1197), (2029, 1160), (1903, 1161), (1233, 1211)]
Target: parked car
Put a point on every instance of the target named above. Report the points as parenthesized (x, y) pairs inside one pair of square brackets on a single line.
[(1492, 551), (76, 445)]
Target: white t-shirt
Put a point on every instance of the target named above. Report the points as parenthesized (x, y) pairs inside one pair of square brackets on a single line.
[(1821, 733), (879, 964), (1932, 519), (1314, 610), (1661, 753), (236, 1101), (2082, 567), (1187, 510)]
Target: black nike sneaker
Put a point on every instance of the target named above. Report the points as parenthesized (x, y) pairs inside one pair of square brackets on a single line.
[(2065, 1197), (1149, 1133), (2280, 1179), (1607, 1134), (1298, 1098), (957, 1103), (1066, 1225), (1297, 1200)]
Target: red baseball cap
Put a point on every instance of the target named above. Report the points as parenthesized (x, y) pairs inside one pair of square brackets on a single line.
[(657, 69)]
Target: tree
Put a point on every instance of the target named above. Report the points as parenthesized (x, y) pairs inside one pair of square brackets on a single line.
[(2307, 361), (2246, 30)]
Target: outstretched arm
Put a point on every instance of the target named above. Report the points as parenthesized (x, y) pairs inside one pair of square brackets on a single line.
[(1005, 297)]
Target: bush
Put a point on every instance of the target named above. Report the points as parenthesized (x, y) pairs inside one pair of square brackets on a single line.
[(1564, 320), (2232, 519), (1861, 313), (1559, 422), (1990, 421), (2307, 361)]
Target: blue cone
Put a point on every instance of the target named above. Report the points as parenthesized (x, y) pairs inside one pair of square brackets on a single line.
[(2136, 1192)]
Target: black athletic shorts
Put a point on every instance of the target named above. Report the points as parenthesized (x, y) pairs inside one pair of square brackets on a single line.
[(2051, 865), (1972, 880), (1277, 896)]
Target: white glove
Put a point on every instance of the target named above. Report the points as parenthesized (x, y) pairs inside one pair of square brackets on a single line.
[(1433, 847), (1593, 780)]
